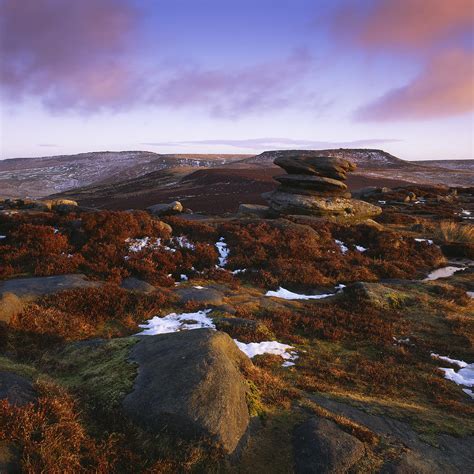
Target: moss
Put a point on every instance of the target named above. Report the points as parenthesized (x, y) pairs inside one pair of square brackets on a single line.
[(98, 369), (9, 365), (254, 400)]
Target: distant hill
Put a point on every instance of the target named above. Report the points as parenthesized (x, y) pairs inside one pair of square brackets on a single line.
[(38, 177), (365, 158)]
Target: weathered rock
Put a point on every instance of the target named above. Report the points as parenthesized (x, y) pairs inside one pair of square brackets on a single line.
[(341, 208), (322, 447), (16, 293), (174, 207), (376, 294), (190, 384), (255, 210), (203, 296), (317, 183), (137, 286), (412, 463), (315, 165), (313, 187), (16, 389)]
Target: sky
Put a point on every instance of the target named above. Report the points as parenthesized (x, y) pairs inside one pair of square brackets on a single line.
[(237, 76)]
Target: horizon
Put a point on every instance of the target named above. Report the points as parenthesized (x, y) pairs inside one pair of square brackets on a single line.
[(181, 78)]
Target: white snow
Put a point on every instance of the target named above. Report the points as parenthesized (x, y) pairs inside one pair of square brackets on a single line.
[(428, 241), (359, 248), (466, 212), (175, 322), (289, 295), (468, 392), (464, 376), (184, 277), (3, 237), (342, 246), (136, 245), (223, 252), (239, 270), (443, 273), (285, 351), (183, 242), (470, 294), (382, 202), (198, 287)]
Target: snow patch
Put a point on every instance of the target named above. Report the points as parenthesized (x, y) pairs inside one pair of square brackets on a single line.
[(428, 241), (239, 270), (470, 294), (223, 252), (253, 349), (342, 246), (443, 273), (175, 322), (464, 376), (289, 295), (359, 248), (3, 237), (137, 245)]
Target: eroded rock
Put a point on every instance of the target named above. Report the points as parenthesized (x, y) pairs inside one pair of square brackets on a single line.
[(190, 384)]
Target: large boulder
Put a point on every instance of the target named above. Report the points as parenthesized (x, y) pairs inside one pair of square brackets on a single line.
[(334, 208), (17, 292), (16, 389), (322, 447), (171, 208), (413, 463), (190, 384)]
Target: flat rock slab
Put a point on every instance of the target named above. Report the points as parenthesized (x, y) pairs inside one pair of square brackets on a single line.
[(322, 447), (137, 286), (315, 165), (318, 183), (15, 293), (204, 296), (342, 208), (189, 383), (38, 286), (16, 389)]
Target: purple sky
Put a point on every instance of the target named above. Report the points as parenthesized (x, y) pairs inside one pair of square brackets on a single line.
[(237, 76)]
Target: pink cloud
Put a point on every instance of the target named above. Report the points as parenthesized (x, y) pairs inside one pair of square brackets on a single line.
[(443, 88), (231, 93), (405, 24), (72, 54)]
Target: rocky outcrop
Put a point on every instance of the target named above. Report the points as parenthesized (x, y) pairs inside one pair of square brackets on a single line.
[(203, 296), (15, 293), (189, 383), (314, 186), (322, 447), (168, 209)]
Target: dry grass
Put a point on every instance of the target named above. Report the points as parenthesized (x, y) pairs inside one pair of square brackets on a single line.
[(449, 231)]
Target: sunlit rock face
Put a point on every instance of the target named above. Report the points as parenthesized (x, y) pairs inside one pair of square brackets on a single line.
[(314, 185)]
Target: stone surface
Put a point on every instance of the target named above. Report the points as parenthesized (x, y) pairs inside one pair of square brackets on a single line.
[(174, 207), (317, 183), (322, 447), (16, 389), (315, 165), (137, 286), (314, 187), (190, 384), (204, 296), (253, 210), (286, 203), (15, 293), (412, 463)]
